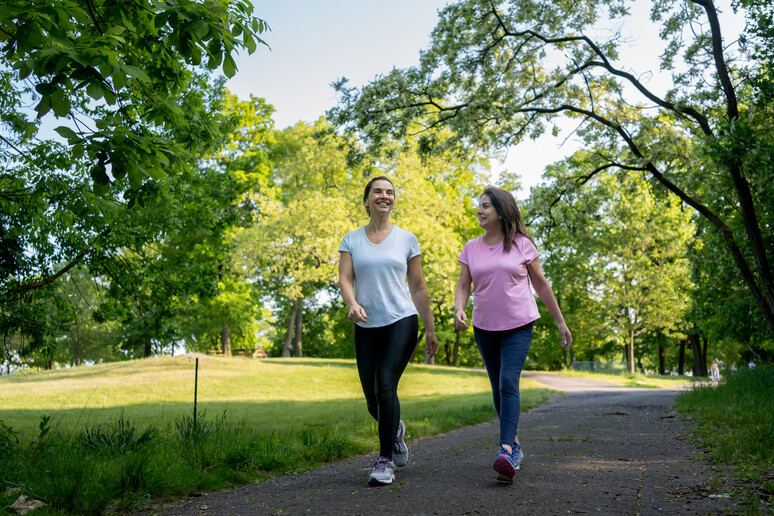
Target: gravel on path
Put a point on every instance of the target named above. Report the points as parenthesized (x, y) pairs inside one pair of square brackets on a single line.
[(601, 449)]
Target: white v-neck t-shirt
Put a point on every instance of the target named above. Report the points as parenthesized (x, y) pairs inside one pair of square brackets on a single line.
[(380, 274)]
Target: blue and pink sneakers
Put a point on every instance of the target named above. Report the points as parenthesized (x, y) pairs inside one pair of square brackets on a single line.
[(507, 463)]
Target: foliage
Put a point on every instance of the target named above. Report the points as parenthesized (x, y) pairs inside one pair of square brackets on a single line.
[(121, 76), (615, 249), (496, 73)]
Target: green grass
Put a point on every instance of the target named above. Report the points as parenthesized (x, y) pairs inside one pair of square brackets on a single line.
[(123, 432), (735, 424), (635, 380), (260, 393)]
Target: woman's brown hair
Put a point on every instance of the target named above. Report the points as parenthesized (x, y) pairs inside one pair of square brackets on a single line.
[(510, 216)]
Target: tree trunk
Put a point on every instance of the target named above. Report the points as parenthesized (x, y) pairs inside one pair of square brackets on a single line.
[(699, 368), (76, 336), (148, 350), (681, 359), (286, 346), (630, 352), (661, 358), (416, 346), (225, 338), (456, 352), (299, 325)]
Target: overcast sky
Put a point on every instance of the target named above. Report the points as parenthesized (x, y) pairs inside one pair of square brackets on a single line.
[(315, 42)]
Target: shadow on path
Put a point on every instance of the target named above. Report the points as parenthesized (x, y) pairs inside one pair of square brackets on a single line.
[(602, 449)]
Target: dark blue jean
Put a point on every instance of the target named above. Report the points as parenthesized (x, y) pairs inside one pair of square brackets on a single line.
[(504, 353)]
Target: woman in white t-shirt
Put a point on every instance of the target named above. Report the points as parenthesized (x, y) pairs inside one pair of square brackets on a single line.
[(376, 260), (504, 267)]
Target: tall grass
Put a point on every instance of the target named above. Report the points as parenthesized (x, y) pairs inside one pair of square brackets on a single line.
[(260, 419), (735, 424)]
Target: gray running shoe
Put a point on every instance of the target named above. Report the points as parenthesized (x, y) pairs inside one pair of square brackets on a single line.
[(382, 473), (400, 452)]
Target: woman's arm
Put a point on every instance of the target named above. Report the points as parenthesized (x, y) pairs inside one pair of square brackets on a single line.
[(347, 283), (421, 298), (461, 297), (546, 294)]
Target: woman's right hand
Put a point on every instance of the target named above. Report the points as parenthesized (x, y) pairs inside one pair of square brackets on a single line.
[(461, 320), (357, 314)]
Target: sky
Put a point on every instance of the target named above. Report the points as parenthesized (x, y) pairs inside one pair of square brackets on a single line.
[(315, 42)]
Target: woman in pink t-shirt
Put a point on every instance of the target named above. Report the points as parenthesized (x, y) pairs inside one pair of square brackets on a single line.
[(501, 264)]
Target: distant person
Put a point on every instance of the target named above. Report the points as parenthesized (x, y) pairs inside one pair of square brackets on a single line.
[(751, 365), (715, 371), (376, 260), (501, 265)]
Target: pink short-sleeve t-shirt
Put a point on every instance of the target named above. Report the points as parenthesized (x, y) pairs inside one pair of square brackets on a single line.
[(502, 295)]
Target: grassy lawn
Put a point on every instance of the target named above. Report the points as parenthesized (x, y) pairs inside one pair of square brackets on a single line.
[(269, 394), (635, 380)]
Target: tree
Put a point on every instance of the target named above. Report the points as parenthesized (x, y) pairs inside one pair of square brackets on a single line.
[(496, 73), (616, 253), (120, 75), (293, 247)]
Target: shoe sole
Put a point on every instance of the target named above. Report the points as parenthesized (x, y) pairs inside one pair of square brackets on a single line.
[(505, 470), (373, 482), (503, 479)]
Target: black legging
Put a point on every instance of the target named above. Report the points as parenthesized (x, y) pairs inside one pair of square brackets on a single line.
[(382, 355)]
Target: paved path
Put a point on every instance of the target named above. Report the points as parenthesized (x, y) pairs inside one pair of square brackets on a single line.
[(601, 449)]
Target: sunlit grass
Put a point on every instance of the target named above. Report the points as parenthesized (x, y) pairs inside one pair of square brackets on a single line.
[(635, 380), (272, 393)]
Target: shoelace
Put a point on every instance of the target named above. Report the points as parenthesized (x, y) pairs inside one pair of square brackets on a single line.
[(381, 464)]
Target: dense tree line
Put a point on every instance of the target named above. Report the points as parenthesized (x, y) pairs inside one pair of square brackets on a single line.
[(169, 214)]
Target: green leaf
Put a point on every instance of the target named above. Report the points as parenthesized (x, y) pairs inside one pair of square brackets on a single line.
[(119, 78), (110, 97), (249, 43), (135, 174), (60, 103), (67, 133), (94, 89), (161, 19), (99, 174), (136, 73), (119, 169), (43, 107), (100, 189), (229, 66), (78, 150), (24, 70), (45, 88)]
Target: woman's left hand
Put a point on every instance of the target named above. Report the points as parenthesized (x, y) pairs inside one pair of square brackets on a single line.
[(432, 344), (566, 336)]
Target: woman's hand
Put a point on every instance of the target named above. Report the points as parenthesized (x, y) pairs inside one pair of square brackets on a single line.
[(461, 320), (564, 332), (357, 314), (431, 341)]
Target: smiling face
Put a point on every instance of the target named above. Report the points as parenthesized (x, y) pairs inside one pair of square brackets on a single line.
[(488, 218), (381, 198)]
